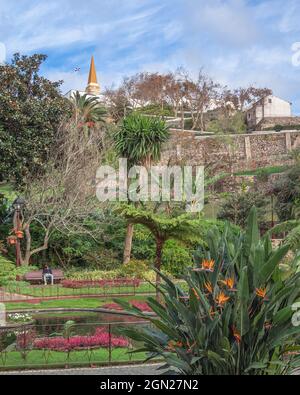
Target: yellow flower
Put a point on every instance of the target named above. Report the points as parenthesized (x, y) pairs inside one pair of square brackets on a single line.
[(261, 292), (208, 265), (221, 299), (236, 335), (196, 294), (228, 282), (208, 287)]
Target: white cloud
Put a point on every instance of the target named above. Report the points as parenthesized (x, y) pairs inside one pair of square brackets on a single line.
[(237, 41)]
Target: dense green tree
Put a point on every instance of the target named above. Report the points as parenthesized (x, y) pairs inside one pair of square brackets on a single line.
[(225, 124), (31, 111), (163, 228), (237, 206)]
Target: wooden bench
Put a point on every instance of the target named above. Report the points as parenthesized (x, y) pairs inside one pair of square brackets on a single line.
[(36, 277)]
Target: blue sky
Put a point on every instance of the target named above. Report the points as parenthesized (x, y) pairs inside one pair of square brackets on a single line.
[(238, 42)]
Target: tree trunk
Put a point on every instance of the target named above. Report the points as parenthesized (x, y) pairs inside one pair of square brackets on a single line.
[(159, 249), (26, 259), (128, 243)]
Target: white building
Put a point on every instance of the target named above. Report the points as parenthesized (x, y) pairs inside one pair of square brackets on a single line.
[(266, 108)]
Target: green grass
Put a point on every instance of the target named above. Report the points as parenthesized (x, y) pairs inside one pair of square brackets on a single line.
[(265, 170), (84, 303), (39, 358), (56, 290)]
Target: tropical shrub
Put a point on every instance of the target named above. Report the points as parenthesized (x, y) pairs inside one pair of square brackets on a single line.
[(130, 270), (9, 271), (287, 192), (155, 109), (236, 317), (237, 206), (143, 246), (175, 258), (135, 268)]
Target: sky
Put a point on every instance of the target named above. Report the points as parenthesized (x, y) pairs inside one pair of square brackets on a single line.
[(237, 42)]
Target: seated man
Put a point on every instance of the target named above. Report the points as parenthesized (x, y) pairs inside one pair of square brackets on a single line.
[(47, 273)]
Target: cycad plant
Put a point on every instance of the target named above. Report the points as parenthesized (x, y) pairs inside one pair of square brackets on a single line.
[(232, 315)]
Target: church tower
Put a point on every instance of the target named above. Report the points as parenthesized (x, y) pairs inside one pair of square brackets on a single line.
[(93, 87)]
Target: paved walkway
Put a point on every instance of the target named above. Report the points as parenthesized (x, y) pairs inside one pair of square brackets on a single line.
[(149, 370), (7, 296)]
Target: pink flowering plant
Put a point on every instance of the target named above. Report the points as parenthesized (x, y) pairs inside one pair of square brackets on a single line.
[(142, 306), (101, 338), (118, 282)]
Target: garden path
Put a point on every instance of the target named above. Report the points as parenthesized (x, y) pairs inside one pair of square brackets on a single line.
[(149, 370), (7, 296)]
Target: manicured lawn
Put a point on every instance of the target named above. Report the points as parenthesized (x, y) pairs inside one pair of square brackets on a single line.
[(57, 290), (40, 358), (67, 303)]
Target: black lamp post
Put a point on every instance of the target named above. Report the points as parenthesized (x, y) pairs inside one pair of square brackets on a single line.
[(18, 205)]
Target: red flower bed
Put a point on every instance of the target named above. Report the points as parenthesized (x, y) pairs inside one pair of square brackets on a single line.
[(101, 338), (139, 305), (119, 282)]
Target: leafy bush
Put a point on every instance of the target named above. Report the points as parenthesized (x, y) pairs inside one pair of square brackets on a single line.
[(92, 275), (287, 192), (279, 128), (7, 271), (135, 269), (228, 125), (237, 315), (143, 246), (176, 258), (237, 206), (156, 109)]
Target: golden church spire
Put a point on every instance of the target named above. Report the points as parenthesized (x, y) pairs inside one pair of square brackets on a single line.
[(93, 87)]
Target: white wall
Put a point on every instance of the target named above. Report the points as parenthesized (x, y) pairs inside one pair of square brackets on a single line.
[(278, 107)]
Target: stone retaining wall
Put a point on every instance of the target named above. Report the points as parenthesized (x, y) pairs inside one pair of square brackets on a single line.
[(231, 152)]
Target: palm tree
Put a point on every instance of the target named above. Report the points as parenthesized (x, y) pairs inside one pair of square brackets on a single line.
[(140, 140), (87, 109)]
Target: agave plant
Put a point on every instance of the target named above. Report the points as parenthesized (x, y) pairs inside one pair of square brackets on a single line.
[(234, 314)]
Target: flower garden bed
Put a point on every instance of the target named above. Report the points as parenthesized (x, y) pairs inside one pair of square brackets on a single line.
[(119, 282), (143, 306), (101, 338)]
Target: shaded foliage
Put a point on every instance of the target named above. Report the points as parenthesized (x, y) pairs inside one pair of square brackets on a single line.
[(31, 110)]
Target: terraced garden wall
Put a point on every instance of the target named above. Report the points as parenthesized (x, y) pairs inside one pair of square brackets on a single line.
[(231, 152)]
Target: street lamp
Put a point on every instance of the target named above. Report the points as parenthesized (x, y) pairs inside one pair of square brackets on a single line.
[(18, 205)]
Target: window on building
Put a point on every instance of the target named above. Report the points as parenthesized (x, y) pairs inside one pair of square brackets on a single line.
[(270, 101)]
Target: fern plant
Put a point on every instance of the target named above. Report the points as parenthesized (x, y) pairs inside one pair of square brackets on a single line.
[(236, 315)]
